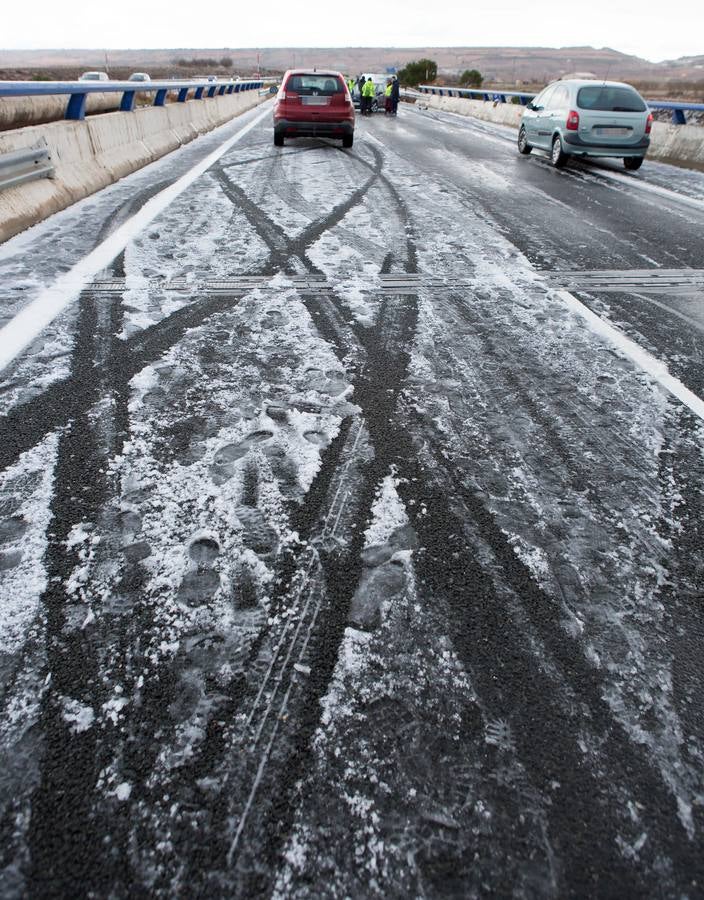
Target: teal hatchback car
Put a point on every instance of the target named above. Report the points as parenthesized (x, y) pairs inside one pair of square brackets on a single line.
[(587, 118)]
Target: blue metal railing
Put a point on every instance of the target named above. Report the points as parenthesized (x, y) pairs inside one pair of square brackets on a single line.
[(677, 108), (490, 96), (77, 91)]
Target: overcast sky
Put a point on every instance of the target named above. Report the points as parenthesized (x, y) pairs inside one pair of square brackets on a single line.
[(673, 29)]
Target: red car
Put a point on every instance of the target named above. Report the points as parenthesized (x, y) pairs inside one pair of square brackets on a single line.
[(313, 104)]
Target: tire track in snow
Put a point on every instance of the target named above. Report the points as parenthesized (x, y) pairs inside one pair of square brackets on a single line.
[(545, 718), (248, 875), (559, 705), (583, 860), (324, 652), (500, 661), (65, 836), (28, 424)]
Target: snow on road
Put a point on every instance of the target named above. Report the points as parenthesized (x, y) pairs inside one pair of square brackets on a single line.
[(380, 584), (26, 490), (33, 318)]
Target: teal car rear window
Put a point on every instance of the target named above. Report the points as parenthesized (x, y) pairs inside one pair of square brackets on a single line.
[(610, 99)]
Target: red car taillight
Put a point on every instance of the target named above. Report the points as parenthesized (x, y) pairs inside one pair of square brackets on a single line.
[(649, 123), (572, 120)]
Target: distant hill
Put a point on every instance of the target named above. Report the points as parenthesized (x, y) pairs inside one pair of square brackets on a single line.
[(506, 64)]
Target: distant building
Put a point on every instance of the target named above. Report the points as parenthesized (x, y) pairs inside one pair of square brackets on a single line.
[(581, 76)]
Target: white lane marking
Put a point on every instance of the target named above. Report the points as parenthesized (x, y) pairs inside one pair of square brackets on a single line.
[(648, 188), (30, 321), (670, 311), (644, 360)]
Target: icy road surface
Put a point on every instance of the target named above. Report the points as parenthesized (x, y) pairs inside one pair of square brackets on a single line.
[(343, 552)]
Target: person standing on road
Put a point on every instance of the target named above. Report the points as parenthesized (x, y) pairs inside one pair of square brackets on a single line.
[(368, 94), (360, 85), (387, 97), (395, 95), (363, 96)]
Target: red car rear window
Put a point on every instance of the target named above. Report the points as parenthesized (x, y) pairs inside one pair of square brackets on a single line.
[(324, 85)]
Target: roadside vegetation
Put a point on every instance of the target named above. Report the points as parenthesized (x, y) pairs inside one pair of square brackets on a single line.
[(471, 78), (422, 71)]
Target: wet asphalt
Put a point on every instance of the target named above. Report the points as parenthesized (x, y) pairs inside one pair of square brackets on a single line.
[(577, 761)]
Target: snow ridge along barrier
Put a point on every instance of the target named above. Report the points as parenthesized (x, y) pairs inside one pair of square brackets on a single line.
[(90, 154)]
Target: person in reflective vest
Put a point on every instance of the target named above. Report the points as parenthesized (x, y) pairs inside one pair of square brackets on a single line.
[(387, 98), (368, 93)]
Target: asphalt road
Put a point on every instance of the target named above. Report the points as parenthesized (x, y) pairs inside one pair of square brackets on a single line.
[(342, 554)]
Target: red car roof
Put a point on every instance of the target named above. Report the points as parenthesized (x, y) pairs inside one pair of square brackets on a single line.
[(313, 72)]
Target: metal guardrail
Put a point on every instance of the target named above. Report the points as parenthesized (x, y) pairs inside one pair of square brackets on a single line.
[(677, 108), (77, 91), (20, 166), (478, 93)]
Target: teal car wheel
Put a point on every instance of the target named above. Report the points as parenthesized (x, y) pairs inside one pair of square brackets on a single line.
[(523, 146), (558, 157), (632, 162)]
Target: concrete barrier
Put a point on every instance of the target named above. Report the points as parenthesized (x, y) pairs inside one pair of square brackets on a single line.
[(680, 144), (501, 113), (93, 153)]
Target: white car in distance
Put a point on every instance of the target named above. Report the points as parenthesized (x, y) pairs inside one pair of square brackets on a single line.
[(94, 76)]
